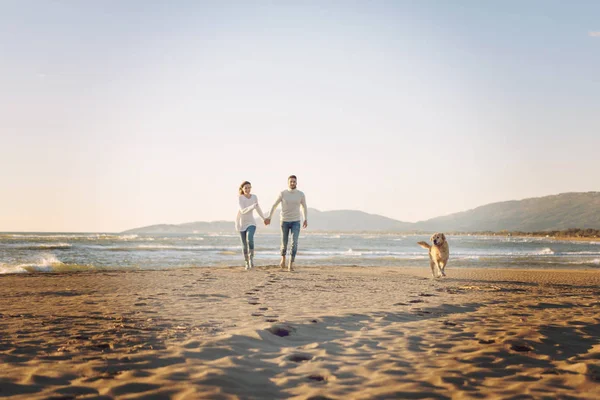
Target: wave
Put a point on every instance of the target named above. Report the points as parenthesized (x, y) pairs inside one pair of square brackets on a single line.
[(44, 246), (165, 247), (74, 236), (580, 253), (546, 251), (46, 263), (595, 261)]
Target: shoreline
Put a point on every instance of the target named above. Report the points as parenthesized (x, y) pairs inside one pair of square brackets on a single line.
[(335, 332)]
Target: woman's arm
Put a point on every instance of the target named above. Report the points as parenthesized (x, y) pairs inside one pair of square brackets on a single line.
[(238, 221), (247, 209), (259, 210)]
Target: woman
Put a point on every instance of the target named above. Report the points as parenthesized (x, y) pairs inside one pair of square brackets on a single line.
[(245, 223)]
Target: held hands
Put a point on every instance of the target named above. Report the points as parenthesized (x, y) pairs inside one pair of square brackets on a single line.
[(267, 221)]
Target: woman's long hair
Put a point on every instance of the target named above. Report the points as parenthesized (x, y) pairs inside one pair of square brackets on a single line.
[(241, 189)]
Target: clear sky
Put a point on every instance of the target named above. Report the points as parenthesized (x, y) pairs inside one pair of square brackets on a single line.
[(120, 114)]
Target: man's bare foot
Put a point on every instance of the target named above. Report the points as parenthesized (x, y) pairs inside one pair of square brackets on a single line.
[(282, 262)]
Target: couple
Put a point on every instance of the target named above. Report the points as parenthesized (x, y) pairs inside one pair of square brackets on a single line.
[(291, 200)]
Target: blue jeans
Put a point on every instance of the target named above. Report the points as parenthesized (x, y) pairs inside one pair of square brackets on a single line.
[(286, 227), (248, 239)]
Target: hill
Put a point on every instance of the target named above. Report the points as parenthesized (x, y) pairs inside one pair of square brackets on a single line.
[(555, 212)]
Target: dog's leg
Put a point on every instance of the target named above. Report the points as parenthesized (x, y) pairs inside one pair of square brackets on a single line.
[(443, 269), (438, 271), (433, 271)]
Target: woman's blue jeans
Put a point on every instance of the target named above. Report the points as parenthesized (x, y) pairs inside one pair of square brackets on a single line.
[(286, 228), (248, 239)]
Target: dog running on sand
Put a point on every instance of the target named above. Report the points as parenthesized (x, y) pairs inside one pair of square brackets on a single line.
[(439, 253)]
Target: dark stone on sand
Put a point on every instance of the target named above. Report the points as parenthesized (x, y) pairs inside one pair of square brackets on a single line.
[(484, 341), (416, 301), (317, 378)]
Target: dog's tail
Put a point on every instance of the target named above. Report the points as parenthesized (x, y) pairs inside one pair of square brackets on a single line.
[(424, 245)]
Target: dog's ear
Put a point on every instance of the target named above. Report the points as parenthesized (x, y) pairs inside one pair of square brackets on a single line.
[(443, 237)]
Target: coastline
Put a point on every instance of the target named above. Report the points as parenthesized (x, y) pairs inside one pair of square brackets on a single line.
[(334, 332)]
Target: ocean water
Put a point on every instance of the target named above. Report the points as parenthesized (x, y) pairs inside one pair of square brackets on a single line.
[(62, 252)]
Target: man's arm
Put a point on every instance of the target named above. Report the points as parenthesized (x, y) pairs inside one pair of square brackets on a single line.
[(304, 210), (279, 199)]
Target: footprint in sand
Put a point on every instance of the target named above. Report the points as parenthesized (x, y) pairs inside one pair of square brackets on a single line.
[(522, 348), (299, 357), (280, 330)]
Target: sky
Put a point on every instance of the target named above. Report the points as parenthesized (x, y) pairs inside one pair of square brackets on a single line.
[(121, 114)]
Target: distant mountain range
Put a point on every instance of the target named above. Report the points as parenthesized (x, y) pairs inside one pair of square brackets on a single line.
[(556, 212)]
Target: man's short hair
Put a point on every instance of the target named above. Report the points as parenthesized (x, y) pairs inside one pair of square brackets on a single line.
[(292, 176)]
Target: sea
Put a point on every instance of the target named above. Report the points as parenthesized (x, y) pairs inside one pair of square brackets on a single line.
[(22, 253)]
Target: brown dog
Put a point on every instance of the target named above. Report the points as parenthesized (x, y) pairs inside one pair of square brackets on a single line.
[(439, 253)]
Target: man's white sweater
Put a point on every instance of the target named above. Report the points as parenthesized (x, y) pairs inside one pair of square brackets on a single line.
[(291, 200)]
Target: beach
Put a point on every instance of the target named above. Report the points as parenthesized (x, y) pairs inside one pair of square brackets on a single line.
[(319, 332)]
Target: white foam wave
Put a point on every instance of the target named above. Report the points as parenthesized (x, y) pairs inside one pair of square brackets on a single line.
[(546, 251), (46, 246), (595, 261), (128, 237), (361, 253), (45, 263), (166, 247), (12, 269)]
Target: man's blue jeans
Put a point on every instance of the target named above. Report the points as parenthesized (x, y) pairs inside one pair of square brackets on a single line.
[(286, 227), (248, 239)]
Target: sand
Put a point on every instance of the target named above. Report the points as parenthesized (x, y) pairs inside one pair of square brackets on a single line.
[(319, 332)]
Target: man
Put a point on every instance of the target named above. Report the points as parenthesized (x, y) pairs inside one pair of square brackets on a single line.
[(291, 200)]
